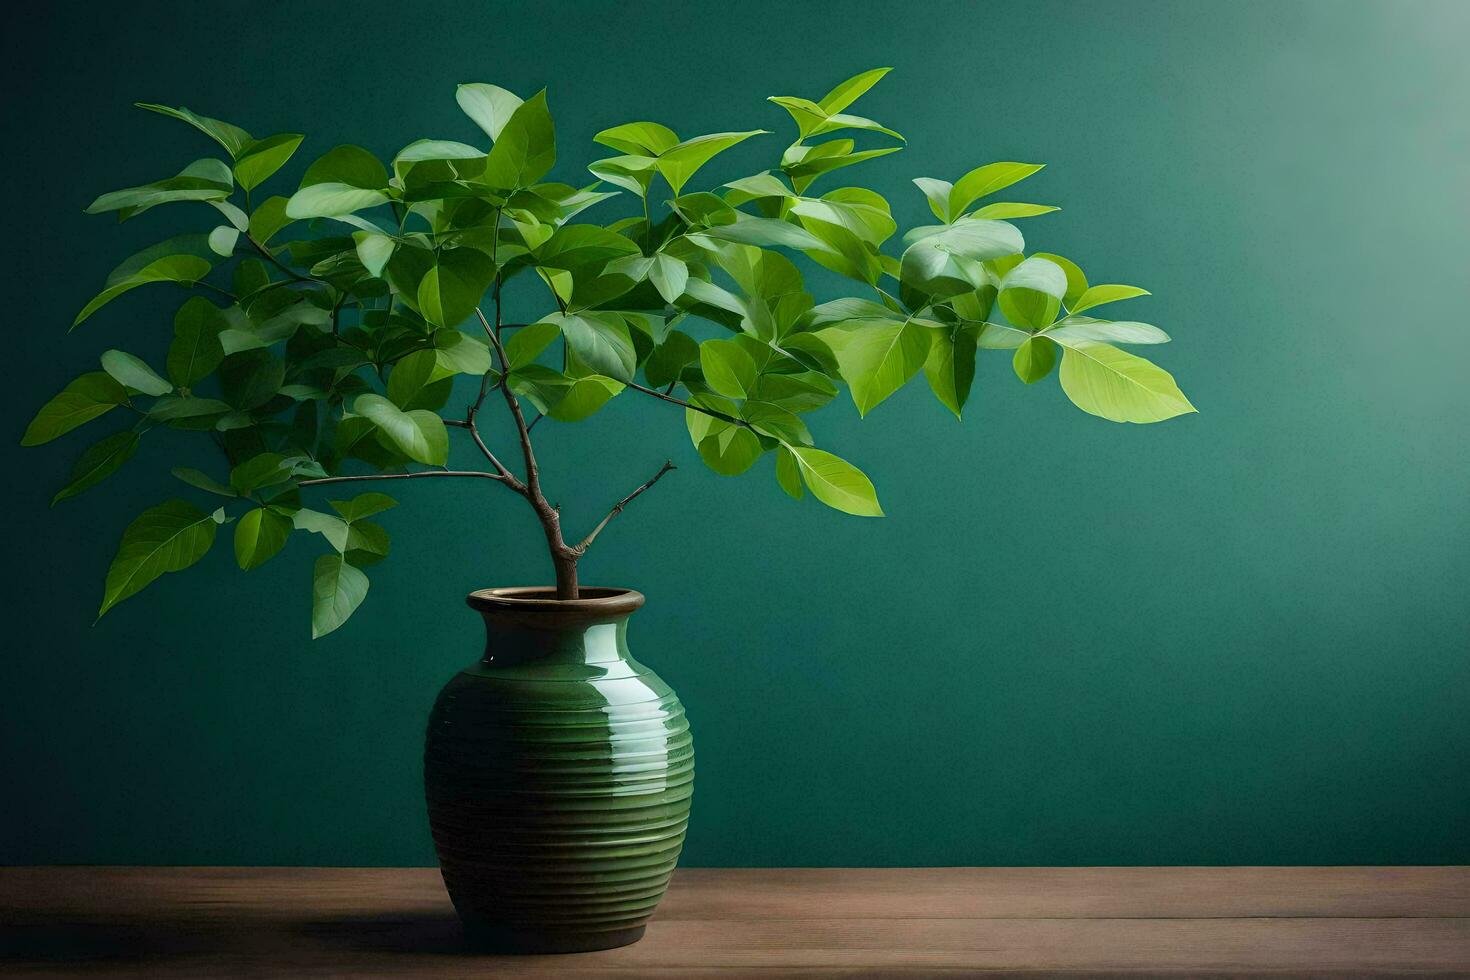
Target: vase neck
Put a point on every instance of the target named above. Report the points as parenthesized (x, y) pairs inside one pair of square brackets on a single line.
[(531, 625)]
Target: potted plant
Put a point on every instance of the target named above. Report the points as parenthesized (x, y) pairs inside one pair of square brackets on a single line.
[(557, 768)]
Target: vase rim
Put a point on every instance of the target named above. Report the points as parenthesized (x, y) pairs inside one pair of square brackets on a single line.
[(591, 600)]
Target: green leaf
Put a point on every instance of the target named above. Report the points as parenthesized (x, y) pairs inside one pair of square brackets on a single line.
[(92, 395), (788, 473), (1034, 359), (762, 232), (420, 435), (1115, 385), (1107, 331), (418, 381), (131, 372), (203, 481), (259, 536), (1008, 209), (367, 543), (601, 340), (98, 463), (222, 240), (727, 368), (349, 165), (334, 529), (987, 180), (1108, 293), (681, 162), (729, 450), (950, 368), (363, 505), (1031, 293), (262, 158), (848, 92), (337, 589), (166, 538), (947, 260), (454, 285), (331, 200), (836, 482), (490, 106), (560, 397), (202, 180), (459, 353), (877, 357), (639, 138), (669, 276), (1076, 280), (264, 470), (232, 138), (146, 267), (373, 251), (527, 343), (251, 378), (269, 218), (170, 409), (525, 148), (668, 359)]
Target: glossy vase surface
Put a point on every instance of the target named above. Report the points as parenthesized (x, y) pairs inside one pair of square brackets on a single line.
[(558, 772)]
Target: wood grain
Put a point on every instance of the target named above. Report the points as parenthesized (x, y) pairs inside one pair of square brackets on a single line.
[(1136, 922)]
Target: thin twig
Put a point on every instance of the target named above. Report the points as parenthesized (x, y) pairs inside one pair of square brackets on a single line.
[(689, 405), (425, 474), (281, 265), (618, 507)]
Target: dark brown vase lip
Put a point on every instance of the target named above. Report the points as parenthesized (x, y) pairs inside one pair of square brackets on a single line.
[(592, 601)]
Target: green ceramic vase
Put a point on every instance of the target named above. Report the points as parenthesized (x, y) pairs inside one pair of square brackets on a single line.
[(558, 772)]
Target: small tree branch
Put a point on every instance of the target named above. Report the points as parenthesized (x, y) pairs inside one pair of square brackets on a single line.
[(422, 475), (663, 396), (618, 507), (281, 265)]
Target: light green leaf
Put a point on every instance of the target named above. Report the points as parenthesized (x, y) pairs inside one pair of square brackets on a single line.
[(947, 260), (727, 368), (1034, 359), (98, 463), (1076, 280), (259, 536), (222, 240), (263, 157), (1108, 293), (836, 482), (165, 268), (936, 192), (877, 357), (232, 138), (525, 148), (131, 372), (668, 276), (490, 106), (337, 589), (632, 173), (362, 506), (681, 162), (459, 353), (166, 538), (762, 232), (987, 180), (330, 200), (334, 529), (1107, 331), (638, 138), (1009, 209), (418, 381), (420, 435), (349, 165), (848, 92), (373, 251), (92, 395), (1031, 293), (1113, 384), (202, 180)]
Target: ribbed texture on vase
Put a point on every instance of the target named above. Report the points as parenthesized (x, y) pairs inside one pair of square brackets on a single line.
[(558, 797)]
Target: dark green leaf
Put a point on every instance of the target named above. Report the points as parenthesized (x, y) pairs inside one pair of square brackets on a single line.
[(336, 592), (132, 372), (259, 536), (98, 463), (166, 538), (92, 395)]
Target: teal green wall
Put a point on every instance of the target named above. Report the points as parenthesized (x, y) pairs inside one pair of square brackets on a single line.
[(1237, 637)]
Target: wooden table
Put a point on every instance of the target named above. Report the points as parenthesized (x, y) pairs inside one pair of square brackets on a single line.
[(1134, 922)]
